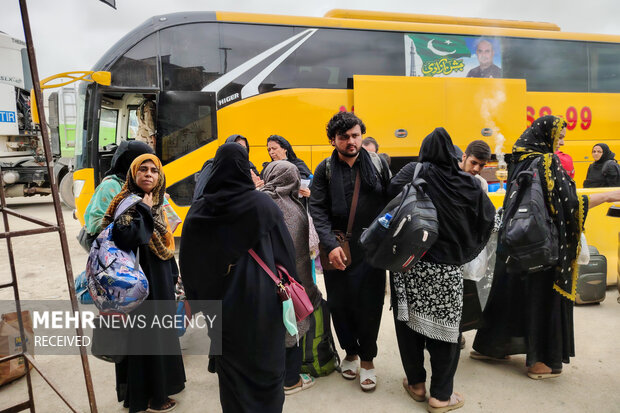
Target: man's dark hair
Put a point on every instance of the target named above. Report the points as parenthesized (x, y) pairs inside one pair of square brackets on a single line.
[(342, 122), (479, 149), (371, 141)]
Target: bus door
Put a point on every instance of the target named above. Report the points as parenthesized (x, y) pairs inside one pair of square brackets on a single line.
[(400, 111), (186, 124), (115, 121)]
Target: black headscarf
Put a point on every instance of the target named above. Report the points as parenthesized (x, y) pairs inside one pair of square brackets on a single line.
[(607, 153), (229, 218), (568, 210), (465, 214), (290, 153), (233, 139), (368, 175), (126, 152), (596, 175), (304, 171)]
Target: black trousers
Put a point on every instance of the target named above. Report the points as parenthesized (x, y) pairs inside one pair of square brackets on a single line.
[(444, 359), (294, 359), (355, 300)]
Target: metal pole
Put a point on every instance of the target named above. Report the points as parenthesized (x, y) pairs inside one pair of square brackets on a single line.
[(18, 306), (57, 207)]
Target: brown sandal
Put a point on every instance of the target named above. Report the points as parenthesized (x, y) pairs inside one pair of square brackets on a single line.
[(414, 395), (168, 406), (456, 402), (542, 376)]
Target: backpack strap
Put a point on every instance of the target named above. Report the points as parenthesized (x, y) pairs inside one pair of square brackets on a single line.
[(415, 184), (125, 204), (418, 168), (328, 169)]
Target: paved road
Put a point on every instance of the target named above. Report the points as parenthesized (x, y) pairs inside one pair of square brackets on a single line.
[(590, 383)]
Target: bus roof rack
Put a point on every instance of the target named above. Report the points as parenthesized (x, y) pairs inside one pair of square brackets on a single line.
[(429, 18)]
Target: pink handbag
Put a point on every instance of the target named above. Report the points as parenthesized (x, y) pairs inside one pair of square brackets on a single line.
[(289, 287)]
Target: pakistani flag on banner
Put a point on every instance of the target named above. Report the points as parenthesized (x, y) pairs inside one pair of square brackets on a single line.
[(440, 54)]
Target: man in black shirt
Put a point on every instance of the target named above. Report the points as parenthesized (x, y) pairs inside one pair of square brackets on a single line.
[(355, 290)]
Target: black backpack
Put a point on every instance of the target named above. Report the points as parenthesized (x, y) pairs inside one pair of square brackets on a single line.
[(611, 172), (528, 235), (411, 231)]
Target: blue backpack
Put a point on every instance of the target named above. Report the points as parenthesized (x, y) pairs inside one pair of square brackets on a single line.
[(115, 280)]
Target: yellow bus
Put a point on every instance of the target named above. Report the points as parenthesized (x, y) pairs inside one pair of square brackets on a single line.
[(213, 74)]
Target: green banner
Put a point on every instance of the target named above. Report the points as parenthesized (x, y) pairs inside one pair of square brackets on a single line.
[(440, 54)]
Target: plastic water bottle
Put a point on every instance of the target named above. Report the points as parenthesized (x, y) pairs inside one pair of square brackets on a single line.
[(384, 221)]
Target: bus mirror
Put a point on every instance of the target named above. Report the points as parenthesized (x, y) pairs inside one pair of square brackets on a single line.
[(103, 78)]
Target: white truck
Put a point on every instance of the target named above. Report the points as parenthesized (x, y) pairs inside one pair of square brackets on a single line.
[(22, 160)]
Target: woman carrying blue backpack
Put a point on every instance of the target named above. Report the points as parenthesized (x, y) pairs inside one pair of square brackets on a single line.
[(145, 382)]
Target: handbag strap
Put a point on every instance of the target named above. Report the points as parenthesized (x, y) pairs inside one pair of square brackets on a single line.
[(264, 266), (356, 195)]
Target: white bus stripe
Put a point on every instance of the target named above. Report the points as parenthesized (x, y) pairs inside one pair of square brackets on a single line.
[(251, 88), (224, 80)]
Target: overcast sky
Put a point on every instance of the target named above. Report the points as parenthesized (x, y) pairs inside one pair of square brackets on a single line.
[(73, 34)]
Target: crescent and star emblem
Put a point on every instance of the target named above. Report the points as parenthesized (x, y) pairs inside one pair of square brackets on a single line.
[(437, 52)]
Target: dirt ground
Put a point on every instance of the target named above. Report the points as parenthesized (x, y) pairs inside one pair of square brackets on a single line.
[(589, 383)]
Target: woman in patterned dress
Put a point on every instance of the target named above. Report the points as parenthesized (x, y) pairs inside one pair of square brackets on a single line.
[(428, 299)]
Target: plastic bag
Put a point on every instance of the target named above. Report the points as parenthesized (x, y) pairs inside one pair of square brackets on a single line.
[(584, 254), (288, 317), (476, 269)]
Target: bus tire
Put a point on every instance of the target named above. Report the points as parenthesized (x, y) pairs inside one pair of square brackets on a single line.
[(65, 190)]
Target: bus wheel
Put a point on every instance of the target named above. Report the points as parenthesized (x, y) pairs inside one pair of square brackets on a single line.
[(65, 190)]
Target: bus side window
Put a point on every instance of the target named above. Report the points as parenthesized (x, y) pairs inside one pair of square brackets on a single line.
[(108, 123), (132, 124), (604, 67), (547, 65)]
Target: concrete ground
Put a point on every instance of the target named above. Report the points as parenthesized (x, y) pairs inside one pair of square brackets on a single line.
[(590, 383)]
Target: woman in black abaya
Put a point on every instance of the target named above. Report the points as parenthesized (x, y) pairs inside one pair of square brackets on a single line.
[(146, 378), (228, 219), (532, 313), (603, 172)]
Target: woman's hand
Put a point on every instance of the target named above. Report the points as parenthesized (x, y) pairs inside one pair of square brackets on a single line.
[(258, 183), (305, 192), (148, 200)]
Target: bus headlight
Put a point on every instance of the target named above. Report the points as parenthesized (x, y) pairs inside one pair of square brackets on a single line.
[(78, 184), (10, 177)]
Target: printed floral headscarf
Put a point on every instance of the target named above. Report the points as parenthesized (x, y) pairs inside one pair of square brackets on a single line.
[(162, 240)]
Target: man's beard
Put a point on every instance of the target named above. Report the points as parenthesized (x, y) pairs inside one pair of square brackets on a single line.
[(348, 155)]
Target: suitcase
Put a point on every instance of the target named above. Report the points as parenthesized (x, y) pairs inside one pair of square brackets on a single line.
[(592, 280), (618, 276)]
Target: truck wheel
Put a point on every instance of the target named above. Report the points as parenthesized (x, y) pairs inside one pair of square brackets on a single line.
[(65, 190)]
